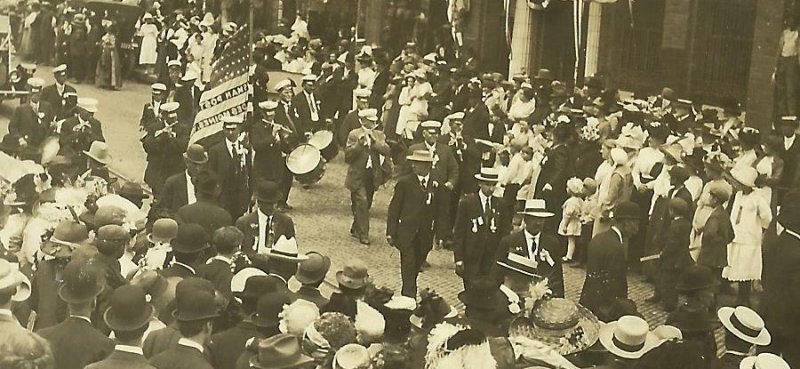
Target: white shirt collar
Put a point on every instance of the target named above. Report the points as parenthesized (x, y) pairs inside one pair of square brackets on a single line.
[(792, 233), (618, 232), (529, 236), (189, 343), (86, 318), (223, 259), (190, 197), (421, 178), (185, 266), (788, 141), (129, 349)]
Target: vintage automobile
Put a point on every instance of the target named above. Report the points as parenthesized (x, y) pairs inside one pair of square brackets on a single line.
[(12, 79)]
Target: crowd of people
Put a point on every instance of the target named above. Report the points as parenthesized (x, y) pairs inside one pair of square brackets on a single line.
[(519, 177)]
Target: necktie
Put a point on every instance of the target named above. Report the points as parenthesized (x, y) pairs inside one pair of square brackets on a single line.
[(532, 248), (424, 183), (312, 106), (487, 208)]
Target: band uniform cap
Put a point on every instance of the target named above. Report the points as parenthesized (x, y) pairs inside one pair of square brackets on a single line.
[(83, 282), (196, 154), (281, 351), (283, 84), (789, 119), (420, 156), (313, 269), (369, 114), (310, 78), (764, 361), (190, 239), (459, 115), (536, 208), (164, 230), (35, 83), (686, 102), (232, 121), (431, 125), (87, 103), (11, 277), (411, 44), (62, 68), (628, 338), (488, 174), (158, 88), (745, 324), (268, 105), (354, 274), (174, 63), (268, 191), (520, 264), (286, 249), (351, 356), (239, 280), (170, 107), (129, 309), (362, 92)]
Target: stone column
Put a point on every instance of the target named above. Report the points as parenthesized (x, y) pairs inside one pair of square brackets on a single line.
[(521, 39), (760, 87), (593, 39)]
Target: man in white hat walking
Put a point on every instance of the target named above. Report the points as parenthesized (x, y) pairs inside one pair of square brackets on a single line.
[(164, 141), (78, 132)]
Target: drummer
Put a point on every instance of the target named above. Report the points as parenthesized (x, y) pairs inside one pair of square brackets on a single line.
[(351, 121), (271, 142)]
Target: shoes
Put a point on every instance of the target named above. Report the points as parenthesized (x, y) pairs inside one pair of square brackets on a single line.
[(364, 240), (354, 234), (566, 259)]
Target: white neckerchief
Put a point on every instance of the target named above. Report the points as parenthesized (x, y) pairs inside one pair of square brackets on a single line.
[(60, 88), (532, 243), (788, 141), (129, 349), (189, 343), (190, 190), (618, 232), (223, 259)]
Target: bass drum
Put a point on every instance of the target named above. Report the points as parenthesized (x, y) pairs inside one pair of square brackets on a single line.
[(306, 163), (323, 140)]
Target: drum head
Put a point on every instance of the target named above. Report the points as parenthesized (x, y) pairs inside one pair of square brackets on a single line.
[(321, 139), (303, 159)]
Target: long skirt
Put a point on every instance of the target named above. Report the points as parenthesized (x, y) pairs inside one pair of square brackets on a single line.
[(744, 262)]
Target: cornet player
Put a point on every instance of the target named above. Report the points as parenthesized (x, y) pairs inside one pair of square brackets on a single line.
[(271, 142), (164, 141)]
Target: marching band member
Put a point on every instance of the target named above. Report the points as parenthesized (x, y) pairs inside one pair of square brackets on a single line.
[(271, 142), (307, 107), (78, 132), (164, 141), (62, 97), (32, 121), (152, 109)]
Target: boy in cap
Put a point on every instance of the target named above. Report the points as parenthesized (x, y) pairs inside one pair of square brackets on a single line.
[(674, 258), (311, 273), (31, 121), (78, 132), (717, 232), (60, 96), (163, 141), (227, 242)]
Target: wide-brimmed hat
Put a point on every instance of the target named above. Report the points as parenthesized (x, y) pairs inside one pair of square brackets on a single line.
[(628, 338), (11, 277), (313, 269), (482, 294), (99, 152), (674, 151), (269, 306), (196, 154), (746, 176), (764, 361), (559, 323), (82, 282), (420, 156), (194, 300), (129, 309), (689, 318), (268, 191), (191, 238), (164, 230), (488, 174), (626, 210), (281, 351), (354, 274), (628, 142), (67, 236), (696, 277), (286, 249), (745, 324), (536, 208)]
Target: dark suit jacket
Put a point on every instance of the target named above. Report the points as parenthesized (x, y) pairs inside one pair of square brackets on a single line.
[(174, 194), (468, 157), (556, 170), (675, 254), (189, 98), (149, 115), (204, 213), (269, 162), (445, 169), (50, 309), (312, 295), (160, 340), (349, 123), (226, 346), (180, 357), (782, 286), (409, 214), (717, 234), (379, 86), (74, 143), (62, 104), (515, 243), (790, 158), (356, 156), (475, 241), (460, 97), (248, 224), (219, 273), (164, 153), (75, 343), (27, 124), (606, 269), (122, 360), (233, 177), (476, 120), (177, 270), (302, 109)]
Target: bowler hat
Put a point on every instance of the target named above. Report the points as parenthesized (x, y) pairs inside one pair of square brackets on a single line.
[(354, 274), (281, 351), (626, 210), (313, 269), (268, 191), (679, 173), (196, 154), (269, 306), (257, 286), (191, 238), (67, 236), (129, 309), (164, 230), (544, 74), (132, 190), (194, 300), (482, 294), (696, 277), (82, 282)]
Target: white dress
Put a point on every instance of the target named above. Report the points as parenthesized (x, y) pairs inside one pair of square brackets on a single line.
[(148, 51), (750, 215), (764, 167)]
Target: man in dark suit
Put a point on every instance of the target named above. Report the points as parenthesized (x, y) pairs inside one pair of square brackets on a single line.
[(188, 249), (230, 159), (556, 170), (111, 241), (60, 96), (781, 298), (536, 244), (444, 172), (196, 308), (476, 116), (179, 189), (675, 257), (382, 78), (460, 101), (476, 230), (271, 144), (351, 120), (205, 211), (409, 222), (307, 107), (164, 141), (365, 154), (152, 110), (790, 178), (129, 317), (78, 132), (32, 121), (218, 269), (75, 342), (226, 346), (264, 226), (188, 95), (344, 82), (606, 266), (285, 114)]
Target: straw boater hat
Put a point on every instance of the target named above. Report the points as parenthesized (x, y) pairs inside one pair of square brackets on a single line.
[(11, 277), (745, 324), (561, 324), (629, 337), (746, 176), (764, 361), (536, 208), (420, 156), (488, 174), (286, 249)]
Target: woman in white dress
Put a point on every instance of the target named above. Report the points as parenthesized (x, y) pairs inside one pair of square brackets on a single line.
[(616, 187), (523, 107), (750, 216), (148, 51), (414, 103)]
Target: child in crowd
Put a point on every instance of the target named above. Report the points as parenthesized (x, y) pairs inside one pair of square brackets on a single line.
[(570, 226), (587, 218)]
